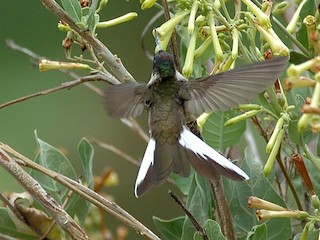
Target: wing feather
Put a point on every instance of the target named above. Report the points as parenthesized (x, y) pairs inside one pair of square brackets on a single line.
[(125, 100), (231, 88)]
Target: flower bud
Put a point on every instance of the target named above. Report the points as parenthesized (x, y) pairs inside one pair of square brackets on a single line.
[(202, 48), (187, 69), (263, 214), (45, 65), (315, 201), (215, 40), (102, 4), (298, 83), (293, 22), (262, 18), (274, 135), (241, 117), (147, 4), (255, 202), (268, 166), (235, 43), (125, 18)]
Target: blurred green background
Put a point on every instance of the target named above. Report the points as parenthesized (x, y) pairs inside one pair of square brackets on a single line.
[(64, 117)]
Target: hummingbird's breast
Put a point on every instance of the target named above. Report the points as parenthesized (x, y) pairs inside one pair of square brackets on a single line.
[(166, 112)]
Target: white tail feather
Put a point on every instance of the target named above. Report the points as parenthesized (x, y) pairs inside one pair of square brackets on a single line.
[(147, 162), (203, 150)]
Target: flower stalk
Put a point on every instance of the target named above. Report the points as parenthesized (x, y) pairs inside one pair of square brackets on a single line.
[(255, 202)]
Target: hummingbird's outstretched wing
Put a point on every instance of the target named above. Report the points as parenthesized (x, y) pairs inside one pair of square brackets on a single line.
[(234, 87), (125, 100)]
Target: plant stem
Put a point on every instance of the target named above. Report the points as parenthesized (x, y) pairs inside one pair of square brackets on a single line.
[(222, 208)]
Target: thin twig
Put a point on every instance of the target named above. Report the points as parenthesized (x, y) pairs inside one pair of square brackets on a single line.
[(66, 85), (115, 150), (135, 127), (35, 57), (193, 220)]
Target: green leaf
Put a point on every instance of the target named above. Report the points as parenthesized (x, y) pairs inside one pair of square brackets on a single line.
[(217, 135), (73, 9), (213, 231), (314, 235), (170, 229), (199, 204), (183, 183), (297, 58), (294, 135), (93, 18), (77, 205), (51, 158), (86, 153), (258, 232), (8, 227), (259, 186)]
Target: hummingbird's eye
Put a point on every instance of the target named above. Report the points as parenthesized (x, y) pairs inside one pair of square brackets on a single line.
[(147, 103)]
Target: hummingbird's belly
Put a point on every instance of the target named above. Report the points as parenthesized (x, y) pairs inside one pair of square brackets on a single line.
[(166, 121)]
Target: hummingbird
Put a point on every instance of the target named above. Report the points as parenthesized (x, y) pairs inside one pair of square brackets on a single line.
[(170, 98)]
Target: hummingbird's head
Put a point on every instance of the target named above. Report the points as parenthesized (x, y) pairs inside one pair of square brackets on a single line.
[(163, 64)]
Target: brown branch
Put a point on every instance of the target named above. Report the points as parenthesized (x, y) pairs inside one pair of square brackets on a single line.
[(193, 220), (135, 127), (222, 209), (66, 85)]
